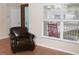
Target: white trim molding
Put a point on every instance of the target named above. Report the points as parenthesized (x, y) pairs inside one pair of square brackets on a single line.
[(57, 49), (4, 37)]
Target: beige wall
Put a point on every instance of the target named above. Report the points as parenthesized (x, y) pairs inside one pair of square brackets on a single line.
[(36, 17), (4, 20), (14, 14), (9, 17)]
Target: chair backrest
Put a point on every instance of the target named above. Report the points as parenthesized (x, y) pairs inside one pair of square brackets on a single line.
[(17, 31)]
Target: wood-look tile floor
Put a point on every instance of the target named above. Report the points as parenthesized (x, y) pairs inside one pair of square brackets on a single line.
[(5, 50)]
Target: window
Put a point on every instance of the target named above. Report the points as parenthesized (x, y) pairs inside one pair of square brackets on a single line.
[(61, 21), (71, 31)]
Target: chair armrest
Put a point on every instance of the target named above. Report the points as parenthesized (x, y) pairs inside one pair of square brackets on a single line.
[(12, 36), (31, 35)]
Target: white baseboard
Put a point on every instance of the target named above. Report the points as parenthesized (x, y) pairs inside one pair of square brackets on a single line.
[(4, 37), (57, 49)]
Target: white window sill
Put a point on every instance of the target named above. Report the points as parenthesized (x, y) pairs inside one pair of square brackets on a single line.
[(58, 39)]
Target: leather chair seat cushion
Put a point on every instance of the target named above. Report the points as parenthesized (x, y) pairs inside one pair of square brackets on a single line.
[(23, 43)]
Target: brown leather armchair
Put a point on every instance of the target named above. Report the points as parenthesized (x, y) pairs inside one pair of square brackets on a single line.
[(21, 41)]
